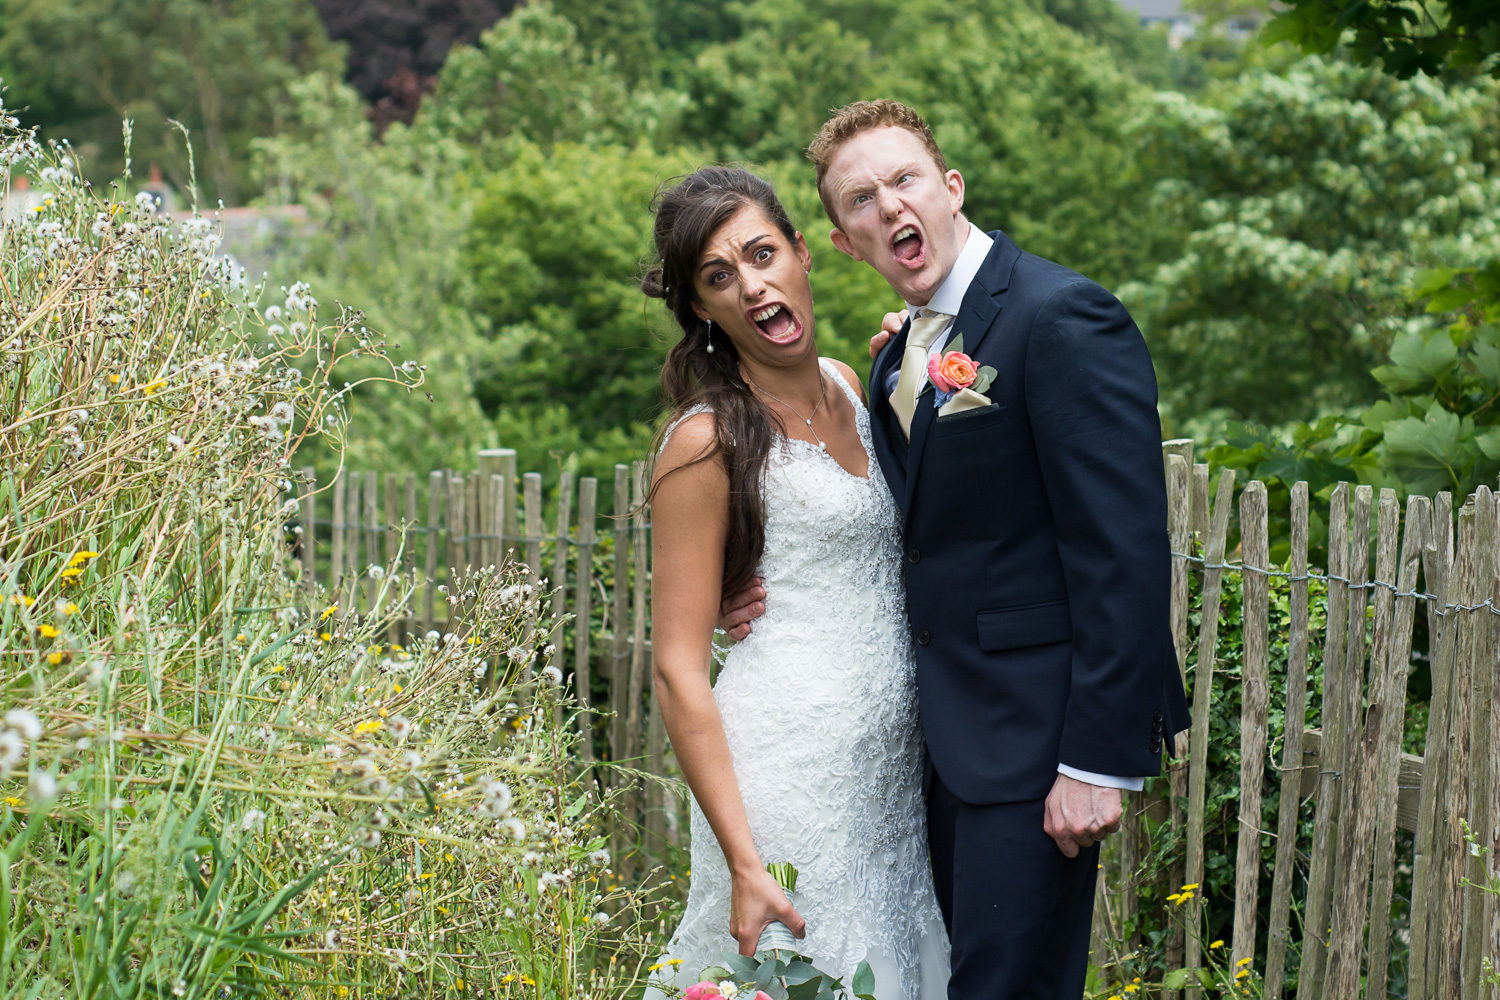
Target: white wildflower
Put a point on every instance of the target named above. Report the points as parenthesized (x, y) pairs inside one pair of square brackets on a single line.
[(375, 571), (399, 727), (515, 828), (549, 879), (530, 859), (516, 654), (283, 411), (12, 749), (25, 722), (599, 859), (273, 312), (255, 820), (43, 786), (552, 675)]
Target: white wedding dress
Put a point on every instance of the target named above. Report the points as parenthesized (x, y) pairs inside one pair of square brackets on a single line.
[(820, 707)]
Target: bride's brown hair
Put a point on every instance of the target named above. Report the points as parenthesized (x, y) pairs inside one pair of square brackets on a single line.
[(689, 210)]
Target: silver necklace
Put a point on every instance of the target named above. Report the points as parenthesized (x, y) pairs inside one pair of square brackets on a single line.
[(822, 394)]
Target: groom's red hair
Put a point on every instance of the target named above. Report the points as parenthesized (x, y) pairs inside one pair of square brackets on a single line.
[(861, 116)]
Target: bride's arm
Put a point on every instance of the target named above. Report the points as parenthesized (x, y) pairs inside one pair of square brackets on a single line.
[(689, 525)]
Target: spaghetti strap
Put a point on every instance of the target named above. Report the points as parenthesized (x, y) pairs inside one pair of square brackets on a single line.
[(849, 391)]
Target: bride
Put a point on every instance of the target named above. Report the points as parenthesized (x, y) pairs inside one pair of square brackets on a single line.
[(807, 750)]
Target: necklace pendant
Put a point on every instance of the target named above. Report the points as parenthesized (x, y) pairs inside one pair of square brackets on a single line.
[(822, 446), (808, 421)]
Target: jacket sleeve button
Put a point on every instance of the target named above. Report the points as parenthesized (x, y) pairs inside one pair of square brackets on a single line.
[(924, 637)]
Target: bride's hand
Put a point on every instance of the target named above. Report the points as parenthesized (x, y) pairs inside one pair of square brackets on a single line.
[(890, 325), (754, 901)]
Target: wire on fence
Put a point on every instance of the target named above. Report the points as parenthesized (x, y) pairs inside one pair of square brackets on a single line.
[(1368, 585)]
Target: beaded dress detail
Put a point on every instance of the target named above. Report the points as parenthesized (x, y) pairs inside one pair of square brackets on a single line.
[(819, 705)]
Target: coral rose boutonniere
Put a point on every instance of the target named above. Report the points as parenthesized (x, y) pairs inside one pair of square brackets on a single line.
[(953, 370)]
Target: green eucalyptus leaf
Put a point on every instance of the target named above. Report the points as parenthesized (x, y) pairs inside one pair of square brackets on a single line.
[(863, 983), (956, 344)]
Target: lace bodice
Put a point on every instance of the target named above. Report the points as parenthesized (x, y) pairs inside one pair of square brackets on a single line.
[(819, 706)]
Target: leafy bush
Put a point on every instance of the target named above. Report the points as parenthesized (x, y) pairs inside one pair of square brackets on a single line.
[(213, 781)]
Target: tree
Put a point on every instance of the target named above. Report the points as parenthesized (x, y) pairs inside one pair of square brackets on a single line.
[(1306, 201), (1404, 37), (396, 45), (222, 69)]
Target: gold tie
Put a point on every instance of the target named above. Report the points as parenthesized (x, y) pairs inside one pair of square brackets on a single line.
[(924, 330)]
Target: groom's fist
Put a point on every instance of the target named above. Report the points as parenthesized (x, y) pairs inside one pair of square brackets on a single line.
[(737, 611), (889, 327), (1079, 814)]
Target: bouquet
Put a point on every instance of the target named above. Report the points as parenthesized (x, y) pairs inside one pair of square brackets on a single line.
[(776, 971)]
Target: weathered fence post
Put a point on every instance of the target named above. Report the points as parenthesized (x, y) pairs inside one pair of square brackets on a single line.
[(1208, 635), (1427, 861), (1291, 758), (1325, 834), (588, 499), (1255, 697), (1387, 774)]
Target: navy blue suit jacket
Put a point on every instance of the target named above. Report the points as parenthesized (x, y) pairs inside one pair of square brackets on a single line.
[(1037, 557)]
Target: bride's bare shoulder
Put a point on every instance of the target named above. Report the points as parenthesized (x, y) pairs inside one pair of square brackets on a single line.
[(850, 376), (690, 441)]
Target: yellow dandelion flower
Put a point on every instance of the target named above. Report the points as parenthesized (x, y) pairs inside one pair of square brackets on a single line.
[(374, 650), (71, 573), (654, 968), (367, 727), (674, 962), (426, 875), (397, 687), (56, 658), (1190, 888), (397, 646), (114, 380), (448, 858), (48, 632), (1216, 944), (21, 600), (1242, 974), (382, 712), (1242, 962), (508, 978), (12, 801), (70, 608), (242, 638), (443, 910), (79, 558), (328, 612), (278, 668), (1132, 988), (325, 636)]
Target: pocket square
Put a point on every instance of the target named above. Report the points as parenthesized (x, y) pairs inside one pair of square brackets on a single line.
[(963, 399)]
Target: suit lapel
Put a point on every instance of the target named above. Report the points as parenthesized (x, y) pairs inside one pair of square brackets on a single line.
[(976, 318), (886, 434)]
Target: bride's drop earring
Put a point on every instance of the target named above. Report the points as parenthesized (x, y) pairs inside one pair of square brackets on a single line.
[(710, 336)]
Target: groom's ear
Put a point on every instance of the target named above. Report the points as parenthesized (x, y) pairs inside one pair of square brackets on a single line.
[(841, 240), (956, 191)]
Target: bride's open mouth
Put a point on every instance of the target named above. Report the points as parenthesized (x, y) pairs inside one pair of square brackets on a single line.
[(908, 248), (776, 323)]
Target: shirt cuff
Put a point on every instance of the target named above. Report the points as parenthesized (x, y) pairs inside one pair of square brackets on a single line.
[(1103, 780)]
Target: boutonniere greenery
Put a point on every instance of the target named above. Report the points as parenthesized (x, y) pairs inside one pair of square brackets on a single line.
[(952, 370)]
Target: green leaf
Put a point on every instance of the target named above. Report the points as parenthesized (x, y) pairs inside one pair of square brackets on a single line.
[(576, 806), (1428, 454), (1176, 979), (863, 983), (1417, 363), (1489, 443), (983, 378), (956, 344)]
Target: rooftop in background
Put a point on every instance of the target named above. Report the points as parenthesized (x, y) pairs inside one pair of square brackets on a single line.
[(1182, 25)]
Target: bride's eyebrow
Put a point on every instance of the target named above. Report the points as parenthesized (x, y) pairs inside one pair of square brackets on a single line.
[(743, 248)]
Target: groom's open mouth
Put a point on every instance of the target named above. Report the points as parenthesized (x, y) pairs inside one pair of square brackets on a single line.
[(907, 247), (775, 322)]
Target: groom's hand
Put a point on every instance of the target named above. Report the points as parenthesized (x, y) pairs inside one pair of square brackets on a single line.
[(889, 327), (1079, 814), (737, 611)]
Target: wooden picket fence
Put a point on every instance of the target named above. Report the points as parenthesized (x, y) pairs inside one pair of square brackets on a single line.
[(1328, 926)]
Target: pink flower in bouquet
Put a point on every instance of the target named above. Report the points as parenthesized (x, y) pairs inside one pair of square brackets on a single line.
[(952, 371), (702, 991)]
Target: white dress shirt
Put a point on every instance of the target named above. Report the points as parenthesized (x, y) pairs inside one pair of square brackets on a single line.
[(948, 299)]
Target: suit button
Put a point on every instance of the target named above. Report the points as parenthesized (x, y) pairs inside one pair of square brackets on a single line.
[(914, 555), (1156, 746), (924, 637), (1157, 716)]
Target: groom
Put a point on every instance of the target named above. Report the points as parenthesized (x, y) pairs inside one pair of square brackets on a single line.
[(1037, 561)]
